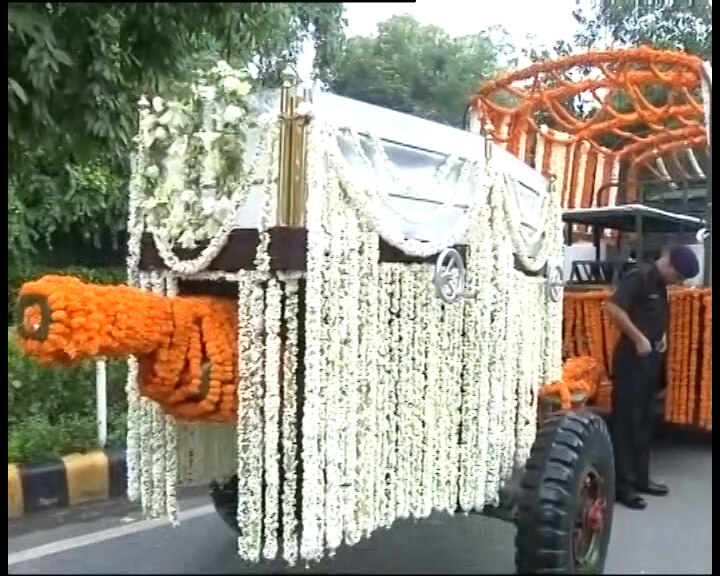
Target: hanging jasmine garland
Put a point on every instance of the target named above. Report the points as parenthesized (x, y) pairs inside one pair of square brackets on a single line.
[(409, 405), (289, 420), (406, 427), (255, 362)]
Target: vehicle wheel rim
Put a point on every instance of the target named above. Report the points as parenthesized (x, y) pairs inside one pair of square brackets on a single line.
[(589, 523)]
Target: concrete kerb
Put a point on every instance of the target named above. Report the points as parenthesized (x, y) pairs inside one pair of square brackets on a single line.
[(72, 480)]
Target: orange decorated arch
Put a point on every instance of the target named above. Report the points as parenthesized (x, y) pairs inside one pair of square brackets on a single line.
[(588, 117)]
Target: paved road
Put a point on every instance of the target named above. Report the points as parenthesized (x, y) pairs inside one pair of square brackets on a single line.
[(673, 536)]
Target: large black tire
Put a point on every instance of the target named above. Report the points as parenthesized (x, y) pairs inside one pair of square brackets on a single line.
[(565, 505), (225, 499)]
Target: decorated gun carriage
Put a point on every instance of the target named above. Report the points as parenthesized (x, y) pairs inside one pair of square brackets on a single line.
[(338, 316)]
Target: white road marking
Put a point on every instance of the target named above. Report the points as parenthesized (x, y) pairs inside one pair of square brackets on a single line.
[(102, 536)]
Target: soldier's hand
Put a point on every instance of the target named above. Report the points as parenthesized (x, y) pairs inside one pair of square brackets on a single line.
[(662, 347), (643, 346)]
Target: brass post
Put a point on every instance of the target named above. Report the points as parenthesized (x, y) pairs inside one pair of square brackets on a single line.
[(287, 111), (291, 193)]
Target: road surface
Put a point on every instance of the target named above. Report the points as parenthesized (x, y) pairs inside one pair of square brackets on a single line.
[(673, 536)]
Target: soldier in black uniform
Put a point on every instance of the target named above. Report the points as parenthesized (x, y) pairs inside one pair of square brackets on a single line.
[(639, 308)]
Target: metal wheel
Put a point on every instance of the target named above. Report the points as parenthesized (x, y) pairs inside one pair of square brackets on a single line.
[(565, 502), (589, 522)]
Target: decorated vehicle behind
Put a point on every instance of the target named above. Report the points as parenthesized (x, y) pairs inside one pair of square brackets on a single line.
[(626, 136)]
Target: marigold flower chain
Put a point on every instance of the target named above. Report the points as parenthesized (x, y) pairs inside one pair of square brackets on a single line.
[(673, 362), (185, 347), (579, 374), (695, 320), (683, 341), (587, 331), (705, 416)]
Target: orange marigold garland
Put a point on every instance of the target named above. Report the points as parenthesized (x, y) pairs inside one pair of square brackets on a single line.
[(671, 393), (705, 419), (186, 347), (568, 326), (688, 398), (611, 335), (594, 329), (67, 320), (579, 374), (589, 330), (580, 330), (541, 89), (683, 336), (695, 320)]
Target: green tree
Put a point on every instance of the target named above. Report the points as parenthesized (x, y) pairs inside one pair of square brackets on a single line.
[(76, 70), (417, 69), (677, 25)]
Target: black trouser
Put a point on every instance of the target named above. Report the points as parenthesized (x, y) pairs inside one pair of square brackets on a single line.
[(635, 386)]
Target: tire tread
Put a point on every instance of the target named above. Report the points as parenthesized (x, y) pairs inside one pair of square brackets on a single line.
[(546, 499)]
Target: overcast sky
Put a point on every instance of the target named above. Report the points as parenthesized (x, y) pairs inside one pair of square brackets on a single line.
[(461, 17), (519, 18)]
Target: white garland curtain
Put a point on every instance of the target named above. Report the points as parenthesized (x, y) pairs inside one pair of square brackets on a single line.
[(407, 405)]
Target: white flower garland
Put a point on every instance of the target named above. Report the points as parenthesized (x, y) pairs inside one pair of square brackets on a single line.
[(406, 386), (171, 441), (192, 178), (151, 449), (252, 358), (271, 409), (411, 417), (334, 334), (134, 438), (513, 225), (393, 352), (530, 297), (249, 424), (474, 340), (391, 376), (350, 374), (499, 355), (369, 381), (551, 360), (455, 326), (385, 418), (313, 486), (382, 163), (261, 161), (290, 422), (427, 310), (135, 223), (367, 201)]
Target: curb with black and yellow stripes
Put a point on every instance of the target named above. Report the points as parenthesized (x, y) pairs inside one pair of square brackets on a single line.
[(74, 479)]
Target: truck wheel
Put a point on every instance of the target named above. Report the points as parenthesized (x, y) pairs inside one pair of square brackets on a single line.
[(225, 499), (565, 505)]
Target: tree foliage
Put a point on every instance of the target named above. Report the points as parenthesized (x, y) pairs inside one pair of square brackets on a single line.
[(76, 70), (678, 25), (417, 69)]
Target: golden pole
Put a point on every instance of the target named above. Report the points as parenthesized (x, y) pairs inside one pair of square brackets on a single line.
[(291, 196), (287, 111)]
